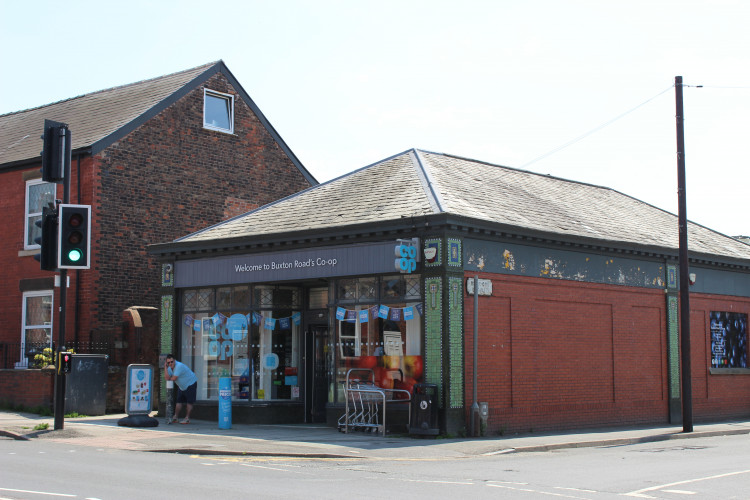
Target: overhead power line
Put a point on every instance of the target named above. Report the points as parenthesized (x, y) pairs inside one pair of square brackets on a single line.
[(581, 137)]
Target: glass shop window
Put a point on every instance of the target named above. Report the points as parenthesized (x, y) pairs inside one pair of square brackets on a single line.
[(378, 327), (250, 335)]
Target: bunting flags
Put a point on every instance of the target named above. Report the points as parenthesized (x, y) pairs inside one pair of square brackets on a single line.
[(382, 312), (342, 314), (254, 317)]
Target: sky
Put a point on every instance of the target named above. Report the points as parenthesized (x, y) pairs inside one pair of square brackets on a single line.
[(582, 90)]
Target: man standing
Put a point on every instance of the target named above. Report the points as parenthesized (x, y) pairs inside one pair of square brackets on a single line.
[(187, 386)]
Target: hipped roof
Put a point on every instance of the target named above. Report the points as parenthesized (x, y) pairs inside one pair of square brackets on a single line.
[(419, 183)]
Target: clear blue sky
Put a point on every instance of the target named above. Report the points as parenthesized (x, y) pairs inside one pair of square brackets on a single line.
[(348, 83)]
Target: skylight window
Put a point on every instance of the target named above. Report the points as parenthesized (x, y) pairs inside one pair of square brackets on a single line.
[(218, 111)]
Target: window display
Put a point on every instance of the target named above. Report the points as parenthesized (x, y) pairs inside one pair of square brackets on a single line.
[(255, 343), (378, 327)]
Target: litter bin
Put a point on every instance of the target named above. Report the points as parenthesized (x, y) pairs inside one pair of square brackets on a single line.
[(86, 385), (424, 410)]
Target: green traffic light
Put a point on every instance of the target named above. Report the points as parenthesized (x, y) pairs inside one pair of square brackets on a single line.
[(75, 255)]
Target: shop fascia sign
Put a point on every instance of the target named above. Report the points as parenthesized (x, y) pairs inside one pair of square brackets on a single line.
[(281, 264), (321, 262)]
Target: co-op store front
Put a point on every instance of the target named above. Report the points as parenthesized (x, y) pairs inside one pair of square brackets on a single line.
[(286, 326)]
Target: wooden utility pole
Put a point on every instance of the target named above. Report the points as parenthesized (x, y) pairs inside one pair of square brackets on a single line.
[(687, 389)]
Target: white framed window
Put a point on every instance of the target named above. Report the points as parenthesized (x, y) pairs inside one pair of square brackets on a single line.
[(218, 111), (38, 195), (36, 331)]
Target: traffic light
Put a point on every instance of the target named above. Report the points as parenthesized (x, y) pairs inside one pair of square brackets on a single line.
[(65, 362), (74, 236), (47, 242), (55, 152)]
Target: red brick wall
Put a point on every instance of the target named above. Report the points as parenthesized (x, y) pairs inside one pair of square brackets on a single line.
[(171, 177), (718, 395), (166, 179), (29, 388), (563, 354)]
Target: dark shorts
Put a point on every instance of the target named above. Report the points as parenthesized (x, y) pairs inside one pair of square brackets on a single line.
[(188, 395)]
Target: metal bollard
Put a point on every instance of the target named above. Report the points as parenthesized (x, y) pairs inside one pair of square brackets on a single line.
[(170, 401)]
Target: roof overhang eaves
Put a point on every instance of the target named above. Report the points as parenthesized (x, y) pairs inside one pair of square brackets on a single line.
[(30, 162), (484, 229), (291, 239), (157, 108)]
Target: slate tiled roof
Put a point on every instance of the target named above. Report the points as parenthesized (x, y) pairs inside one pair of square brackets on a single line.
[(98, 119), (416, 183), (91, 117)]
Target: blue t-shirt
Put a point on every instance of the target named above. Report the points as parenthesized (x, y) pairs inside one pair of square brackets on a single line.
[(185, 376)]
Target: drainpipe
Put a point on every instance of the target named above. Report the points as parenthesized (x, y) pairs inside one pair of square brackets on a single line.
[(475, 405)]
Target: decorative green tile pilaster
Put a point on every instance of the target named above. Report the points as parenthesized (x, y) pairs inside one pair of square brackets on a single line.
[(433, 248), (455, 343), (673, 346), (433, 338), (673, 333), (167, 334), (167, 275), (454, 253), (167, 302), (672, 277)]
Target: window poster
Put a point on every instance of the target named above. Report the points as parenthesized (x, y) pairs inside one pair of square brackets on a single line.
[(728, 340)]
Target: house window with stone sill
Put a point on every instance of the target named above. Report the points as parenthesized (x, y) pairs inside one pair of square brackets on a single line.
[(218, 111), (39, 194)]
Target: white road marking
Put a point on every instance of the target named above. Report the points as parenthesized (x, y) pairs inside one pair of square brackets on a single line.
[(574, 489), (499, 452), (38, 492), (537, 492), (641, 493), (435, 482), (680, 492), (263, 467)]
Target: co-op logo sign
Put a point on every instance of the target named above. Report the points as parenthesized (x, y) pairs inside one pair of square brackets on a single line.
[(406, 255), (221, 337)]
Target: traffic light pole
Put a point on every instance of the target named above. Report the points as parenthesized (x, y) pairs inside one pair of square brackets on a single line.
[(59, 376)]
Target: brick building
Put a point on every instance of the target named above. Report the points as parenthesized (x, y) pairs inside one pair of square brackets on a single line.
[(577, 305), (155, 159)]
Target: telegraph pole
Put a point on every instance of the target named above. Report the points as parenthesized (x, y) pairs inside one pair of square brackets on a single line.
[(687, 389)]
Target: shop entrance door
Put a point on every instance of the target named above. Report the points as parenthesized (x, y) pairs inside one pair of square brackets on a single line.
[(316, 373)]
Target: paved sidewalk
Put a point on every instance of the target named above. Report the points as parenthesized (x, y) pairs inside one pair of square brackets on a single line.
[(314, 440)]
